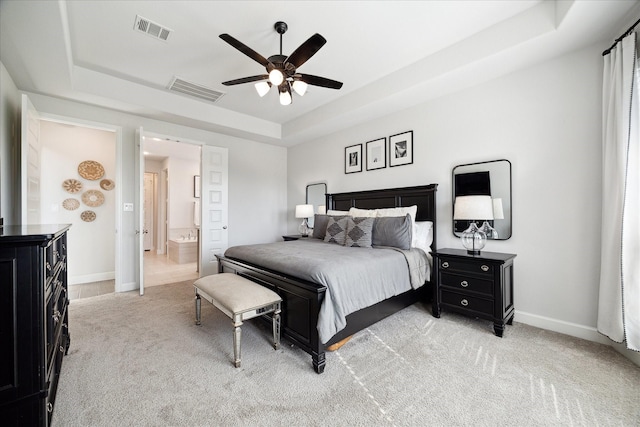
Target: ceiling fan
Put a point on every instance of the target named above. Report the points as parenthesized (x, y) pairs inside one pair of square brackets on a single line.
[(282, 71)]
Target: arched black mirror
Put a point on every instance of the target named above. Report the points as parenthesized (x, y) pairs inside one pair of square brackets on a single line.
[(493, 179), (316, 196)]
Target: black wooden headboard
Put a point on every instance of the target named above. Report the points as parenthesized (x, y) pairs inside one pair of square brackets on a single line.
[(422, 196)]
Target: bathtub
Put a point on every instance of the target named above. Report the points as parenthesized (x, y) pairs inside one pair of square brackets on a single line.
[(183, 250)]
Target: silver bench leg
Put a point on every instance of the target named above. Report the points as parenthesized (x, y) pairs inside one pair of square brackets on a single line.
[(276, 328), (237, 336), (198, 308)]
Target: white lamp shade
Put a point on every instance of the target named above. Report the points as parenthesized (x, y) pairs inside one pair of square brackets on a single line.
[(263, 88), (473, 208), (285, 98), (300, 87), (498, 212), (276, 77), (304, 211), (322, 209)]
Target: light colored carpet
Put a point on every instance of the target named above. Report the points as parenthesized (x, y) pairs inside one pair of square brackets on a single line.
[(141, 361)]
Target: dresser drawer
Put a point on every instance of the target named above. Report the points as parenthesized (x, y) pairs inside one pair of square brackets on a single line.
[(465, 266), (466, 302), (467, 283)]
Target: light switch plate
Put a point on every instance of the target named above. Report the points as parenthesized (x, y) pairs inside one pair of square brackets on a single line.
[(128, 207)]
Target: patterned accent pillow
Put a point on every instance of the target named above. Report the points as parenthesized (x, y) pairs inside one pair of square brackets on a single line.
[(359, 232), (336, 230)]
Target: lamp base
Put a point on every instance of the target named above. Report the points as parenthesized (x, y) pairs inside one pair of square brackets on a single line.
[(470, 252)]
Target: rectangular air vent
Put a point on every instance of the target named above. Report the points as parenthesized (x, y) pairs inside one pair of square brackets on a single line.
[(195, 90), (151, 28)]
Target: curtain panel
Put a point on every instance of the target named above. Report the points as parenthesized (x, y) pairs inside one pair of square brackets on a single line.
[(619, 298)]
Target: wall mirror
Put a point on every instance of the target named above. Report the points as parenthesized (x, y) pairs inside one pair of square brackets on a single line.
[(493, 179), (316, 196)]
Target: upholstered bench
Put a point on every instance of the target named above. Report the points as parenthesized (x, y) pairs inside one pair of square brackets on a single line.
[(240, 299)]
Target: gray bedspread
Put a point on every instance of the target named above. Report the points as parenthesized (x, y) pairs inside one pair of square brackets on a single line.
[(355, 277)]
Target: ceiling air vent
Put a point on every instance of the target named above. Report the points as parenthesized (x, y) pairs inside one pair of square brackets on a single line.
[(151, 28), (195, 90)]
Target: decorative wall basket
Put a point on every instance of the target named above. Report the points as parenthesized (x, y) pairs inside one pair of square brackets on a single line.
[(71, 204), (88, 216), (93, 198), (90, 169), (107, 184), (72, 185)]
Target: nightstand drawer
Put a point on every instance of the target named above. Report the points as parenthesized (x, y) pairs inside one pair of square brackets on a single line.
[(479, 305), (466, 266), (467, 283)]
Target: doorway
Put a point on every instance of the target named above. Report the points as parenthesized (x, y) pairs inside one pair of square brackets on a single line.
[(170, 229)]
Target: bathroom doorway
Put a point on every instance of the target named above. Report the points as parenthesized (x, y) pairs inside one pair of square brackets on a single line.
[(170, 205)]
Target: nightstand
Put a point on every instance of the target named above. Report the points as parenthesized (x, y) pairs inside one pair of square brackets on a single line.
[(476, 285)]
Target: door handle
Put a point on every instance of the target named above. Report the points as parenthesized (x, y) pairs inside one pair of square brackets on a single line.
[(224, 227)]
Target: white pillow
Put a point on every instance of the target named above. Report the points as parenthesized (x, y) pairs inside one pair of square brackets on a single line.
[(422, 235), (363, 213), (331, 212)]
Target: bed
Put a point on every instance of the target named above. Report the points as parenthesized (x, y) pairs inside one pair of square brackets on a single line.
[(303, 296)]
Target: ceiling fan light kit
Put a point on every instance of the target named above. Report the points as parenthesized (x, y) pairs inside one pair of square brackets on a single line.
[(282, 70)]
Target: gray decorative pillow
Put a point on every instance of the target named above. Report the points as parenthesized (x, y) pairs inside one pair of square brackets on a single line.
[(359, 232), (393, 231), (336, 230), (320, 222)]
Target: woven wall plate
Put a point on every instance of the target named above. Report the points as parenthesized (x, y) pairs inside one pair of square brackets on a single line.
[(93, 198), (90, 169), (72, 185), (88, 216), (71, 204), (107, 184)]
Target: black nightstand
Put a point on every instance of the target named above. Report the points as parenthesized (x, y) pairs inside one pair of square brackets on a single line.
[(476, 285)]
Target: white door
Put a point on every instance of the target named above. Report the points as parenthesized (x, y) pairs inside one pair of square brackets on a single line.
[(214, 206), (30, 164), (139, 208), (149, 210)]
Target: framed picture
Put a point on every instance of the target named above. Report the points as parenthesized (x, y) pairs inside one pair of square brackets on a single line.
[(377, 154), (401, 149), (196, 186), (353, 159)]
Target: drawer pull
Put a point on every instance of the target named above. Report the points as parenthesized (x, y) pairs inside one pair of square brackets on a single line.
[(56, 316), (445, 264), (484, 267), (48, 266), (464, 302), (61, 349), (49, 407), (464, 283)]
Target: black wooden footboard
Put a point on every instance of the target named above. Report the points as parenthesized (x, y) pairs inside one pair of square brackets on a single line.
[(300, 305)]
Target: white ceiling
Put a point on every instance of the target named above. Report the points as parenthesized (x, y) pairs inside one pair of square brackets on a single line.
[(389, 54)]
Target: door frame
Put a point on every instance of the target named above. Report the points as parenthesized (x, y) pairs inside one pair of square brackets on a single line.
[(117, 130)]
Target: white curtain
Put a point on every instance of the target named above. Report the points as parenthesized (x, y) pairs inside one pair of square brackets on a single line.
[(619, 302)]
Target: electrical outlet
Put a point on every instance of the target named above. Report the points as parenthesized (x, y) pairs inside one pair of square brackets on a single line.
[(128, 207)]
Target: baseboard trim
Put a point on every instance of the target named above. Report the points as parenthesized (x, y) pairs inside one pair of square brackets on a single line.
[(88, 278), (567, 328)]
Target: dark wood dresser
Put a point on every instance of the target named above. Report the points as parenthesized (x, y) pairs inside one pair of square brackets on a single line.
[(34, 326), (476, 285)]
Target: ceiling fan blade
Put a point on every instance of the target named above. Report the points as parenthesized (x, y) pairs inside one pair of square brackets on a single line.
[(246, 80), (306, 50), (319, 81), (246, 50)]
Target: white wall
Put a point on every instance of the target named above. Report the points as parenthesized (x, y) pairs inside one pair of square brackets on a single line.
[(9, 144), (181, 173), (257, 175), (546, 121), (91, 245)]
